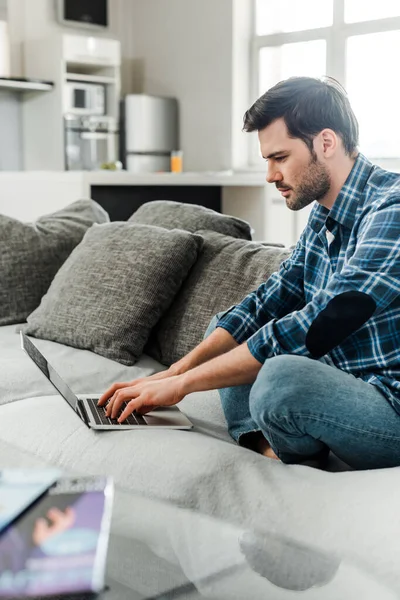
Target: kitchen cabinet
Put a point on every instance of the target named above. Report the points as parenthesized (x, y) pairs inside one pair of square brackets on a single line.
[(61, 58), (89, 50), (122, 201), (30, 194)]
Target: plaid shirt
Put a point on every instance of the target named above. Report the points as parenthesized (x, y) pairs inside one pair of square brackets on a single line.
[(353, 247)]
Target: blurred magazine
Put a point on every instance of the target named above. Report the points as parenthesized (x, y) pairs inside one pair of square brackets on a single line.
[(19, 488), (60, 545)]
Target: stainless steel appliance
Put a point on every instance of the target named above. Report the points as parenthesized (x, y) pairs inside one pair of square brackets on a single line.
[(90, 142), (85, 98), (150, 127)]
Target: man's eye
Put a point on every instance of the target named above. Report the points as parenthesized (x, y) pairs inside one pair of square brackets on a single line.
[(277, 159)]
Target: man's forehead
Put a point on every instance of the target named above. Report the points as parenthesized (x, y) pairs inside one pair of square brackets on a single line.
[(275, 139), (274, 132)]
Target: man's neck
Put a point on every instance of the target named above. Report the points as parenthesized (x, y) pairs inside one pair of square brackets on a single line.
[(339, 173)]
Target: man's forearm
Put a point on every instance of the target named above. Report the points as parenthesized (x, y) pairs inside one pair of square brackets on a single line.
[(236, 367), (218, 342)]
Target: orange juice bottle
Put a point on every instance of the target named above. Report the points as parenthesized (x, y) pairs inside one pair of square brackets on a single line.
[(176, 161)]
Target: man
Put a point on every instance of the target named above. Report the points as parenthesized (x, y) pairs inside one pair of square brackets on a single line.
[(310, 361)]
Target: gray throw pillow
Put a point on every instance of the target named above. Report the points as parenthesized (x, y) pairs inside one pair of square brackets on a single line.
[(226, 271), (32, 253), (190, 217), (114, 287)]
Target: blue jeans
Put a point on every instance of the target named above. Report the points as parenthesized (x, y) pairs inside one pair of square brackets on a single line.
[(305, 408)]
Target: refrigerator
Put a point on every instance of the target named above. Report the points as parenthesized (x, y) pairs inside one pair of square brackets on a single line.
[(150, 132)]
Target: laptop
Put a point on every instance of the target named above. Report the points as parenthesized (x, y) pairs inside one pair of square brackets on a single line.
[(94, 417)]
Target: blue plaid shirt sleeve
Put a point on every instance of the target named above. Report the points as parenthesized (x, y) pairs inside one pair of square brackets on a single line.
[(374, 269), (282, 293)]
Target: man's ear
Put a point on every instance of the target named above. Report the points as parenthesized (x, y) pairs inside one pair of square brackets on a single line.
[(329, 142)]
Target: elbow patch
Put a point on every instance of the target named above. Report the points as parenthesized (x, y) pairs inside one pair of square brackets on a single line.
[(341, 317)]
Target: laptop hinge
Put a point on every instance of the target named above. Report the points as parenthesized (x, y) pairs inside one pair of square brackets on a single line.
[(82, 410)]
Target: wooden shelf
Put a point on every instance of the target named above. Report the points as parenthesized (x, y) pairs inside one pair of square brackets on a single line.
[(25, 86), (89, 78)]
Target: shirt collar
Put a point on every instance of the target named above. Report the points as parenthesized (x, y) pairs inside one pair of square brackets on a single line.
[(345, 207)]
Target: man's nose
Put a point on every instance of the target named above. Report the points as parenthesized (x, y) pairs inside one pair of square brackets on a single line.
[(273, 175)]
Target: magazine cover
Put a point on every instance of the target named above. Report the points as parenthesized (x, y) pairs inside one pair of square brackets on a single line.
[(60, 545), (19, 488)]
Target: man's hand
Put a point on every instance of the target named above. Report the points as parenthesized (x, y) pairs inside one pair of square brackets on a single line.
[(236, 367), (108, 394), (60, 522), (143, 395)]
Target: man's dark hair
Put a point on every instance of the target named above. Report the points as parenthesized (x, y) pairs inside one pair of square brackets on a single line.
[(308, 105)]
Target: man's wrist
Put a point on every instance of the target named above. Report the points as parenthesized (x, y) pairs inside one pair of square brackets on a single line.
[(178, 368), (185, 383)]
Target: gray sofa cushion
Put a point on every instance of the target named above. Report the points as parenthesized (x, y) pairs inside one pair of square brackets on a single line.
[(226, 271), (190, 217), (114, 287), (32, 253)]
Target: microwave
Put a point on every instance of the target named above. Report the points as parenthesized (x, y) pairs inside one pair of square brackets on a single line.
[(85, 98)]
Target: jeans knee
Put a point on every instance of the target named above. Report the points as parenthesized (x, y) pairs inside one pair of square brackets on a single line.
[(278, 387)]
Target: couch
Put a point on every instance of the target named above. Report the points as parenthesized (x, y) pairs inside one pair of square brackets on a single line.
[(352, 515)]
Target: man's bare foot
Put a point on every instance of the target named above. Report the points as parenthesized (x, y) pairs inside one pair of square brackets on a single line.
[(265, 449)]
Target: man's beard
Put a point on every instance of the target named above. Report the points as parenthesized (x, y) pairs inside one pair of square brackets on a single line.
[(315, 185)]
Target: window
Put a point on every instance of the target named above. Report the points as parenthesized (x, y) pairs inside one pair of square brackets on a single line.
[(286, 15), (355, 41), (298, 58), (373, 85), (360, 10)]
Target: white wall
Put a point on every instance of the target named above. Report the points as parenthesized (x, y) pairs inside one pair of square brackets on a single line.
[(3, 10), (184, 50), (241, 77), (197, 52)]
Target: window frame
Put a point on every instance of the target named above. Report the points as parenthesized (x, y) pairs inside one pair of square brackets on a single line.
[(335, 36)]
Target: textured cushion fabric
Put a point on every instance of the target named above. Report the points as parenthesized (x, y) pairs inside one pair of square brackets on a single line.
[(190, 217), (226, 271), (32, 253), (114, 287)]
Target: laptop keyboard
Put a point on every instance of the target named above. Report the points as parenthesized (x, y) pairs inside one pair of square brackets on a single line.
[(100, 418)]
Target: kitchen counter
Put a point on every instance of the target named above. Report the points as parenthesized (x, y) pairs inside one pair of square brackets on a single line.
[(108, 177), (220, 178), (22, 84), (26, 195)]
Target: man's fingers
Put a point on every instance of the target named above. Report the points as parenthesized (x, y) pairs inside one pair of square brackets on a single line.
[(114, 388), (130, 407), (55, 514), (61, 519), (110, 392), (120, 398), (139, 405)]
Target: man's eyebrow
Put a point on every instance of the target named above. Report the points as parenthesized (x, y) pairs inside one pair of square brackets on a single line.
[(273, 154)]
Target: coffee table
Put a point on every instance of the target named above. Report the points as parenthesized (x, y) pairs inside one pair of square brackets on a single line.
[(160, 551)]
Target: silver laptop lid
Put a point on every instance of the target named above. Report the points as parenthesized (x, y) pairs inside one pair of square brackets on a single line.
[(49, 372)]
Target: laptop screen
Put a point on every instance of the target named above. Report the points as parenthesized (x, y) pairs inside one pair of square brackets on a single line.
[(49, 372)]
